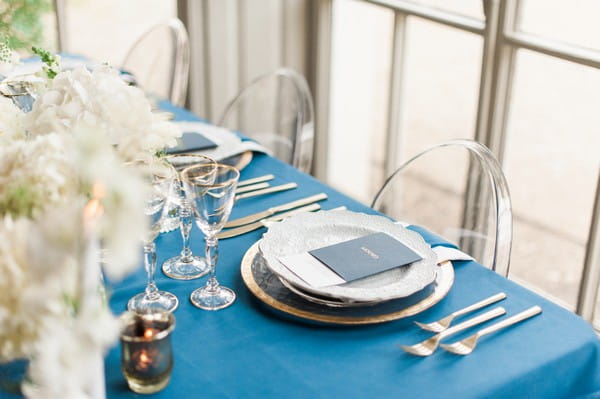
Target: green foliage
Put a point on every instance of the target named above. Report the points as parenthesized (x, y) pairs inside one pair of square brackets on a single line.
[(21, 22), (18, 201), (52, 67)]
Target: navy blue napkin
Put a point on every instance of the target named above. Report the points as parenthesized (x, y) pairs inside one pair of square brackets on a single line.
[(192, 141)]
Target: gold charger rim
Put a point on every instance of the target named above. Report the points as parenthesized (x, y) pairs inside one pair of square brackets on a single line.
[(244, 160), (446, 280)]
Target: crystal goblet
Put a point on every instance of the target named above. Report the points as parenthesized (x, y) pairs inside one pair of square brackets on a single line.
[(160, 176), (186, 265), (212, 203)]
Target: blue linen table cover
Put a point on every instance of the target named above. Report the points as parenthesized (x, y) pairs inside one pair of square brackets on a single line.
[(249, 351)]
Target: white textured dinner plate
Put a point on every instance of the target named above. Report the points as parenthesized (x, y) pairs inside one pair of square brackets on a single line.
[(308, 231)]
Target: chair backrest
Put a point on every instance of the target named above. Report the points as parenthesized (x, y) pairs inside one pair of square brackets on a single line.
[(160, 61), (277, 111), (457, 190)]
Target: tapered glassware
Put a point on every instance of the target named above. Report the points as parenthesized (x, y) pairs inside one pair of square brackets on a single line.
[(160, 177), (186, 265), (212, 203)]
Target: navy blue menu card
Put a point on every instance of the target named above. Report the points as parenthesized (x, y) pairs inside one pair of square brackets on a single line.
[(192, 141), (365, 256)]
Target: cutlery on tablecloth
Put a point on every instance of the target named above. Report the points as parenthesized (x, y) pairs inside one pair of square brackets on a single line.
[(255, 180), (427, 347), (264, 222), (251, 187), (273, 210), (466, 346), (443, 323), (269, 190)]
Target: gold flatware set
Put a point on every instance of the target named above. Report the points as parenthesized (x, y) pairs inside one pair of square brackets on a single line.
[(259, 186), (466, 345)]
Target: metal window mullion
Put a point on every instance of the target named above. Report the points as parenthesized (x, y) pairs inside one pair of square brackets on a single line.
[(432, 14), (496, 76), (497, 68), (396, 93), (590, 281), (568, 52)]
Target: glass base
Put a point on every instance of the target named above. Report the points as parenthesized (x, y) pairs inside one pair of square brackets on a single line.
[(165, 301), (205, 299), (147, 387), (177, 269)]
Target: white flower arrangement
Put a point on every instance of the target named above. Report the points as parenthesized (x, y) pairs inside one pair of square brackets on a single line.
[(101, 98), (71, 147)]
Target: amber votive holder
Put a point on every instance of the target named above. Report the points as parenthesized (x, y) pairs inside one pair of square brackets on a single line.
[(146, 352)]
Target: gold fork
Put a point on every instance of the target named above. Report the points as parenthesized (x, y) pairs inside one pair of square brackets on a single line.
[(443, 323), (466, 346), (427, 347)]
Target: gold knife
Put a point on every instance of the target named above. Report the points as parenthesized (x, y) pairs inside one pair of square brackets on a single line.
[(251, 187), (269, 190), (271, 211), (255, 180), (262, 223)]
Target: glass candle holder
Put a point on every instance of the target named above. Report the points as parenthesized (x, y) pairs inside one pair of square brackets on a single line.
[(146, 353)]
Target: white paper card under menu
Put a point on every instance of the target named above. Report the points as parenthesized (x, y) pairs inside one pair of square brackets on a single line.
[(309, 269)]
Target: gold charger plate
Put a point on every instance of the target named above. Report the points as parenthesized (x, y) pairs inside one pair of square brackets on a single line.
[(239, 161), (267, 287)]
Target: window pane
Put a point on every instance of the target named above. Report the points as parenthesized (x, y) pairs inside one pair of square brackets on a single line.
[(362, 36), (551, 165), (105, 29), (573, 21), (441, 86)]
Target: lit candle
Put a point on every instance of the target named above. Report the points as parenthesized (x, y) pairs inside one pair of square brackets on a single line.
[(89, 270), (89, 279), (146, 355)]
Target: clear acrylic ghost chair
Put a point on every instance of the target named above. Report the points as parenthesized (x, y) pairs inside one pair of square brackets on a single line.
[(160, 61), (457, 190), (276, 110)]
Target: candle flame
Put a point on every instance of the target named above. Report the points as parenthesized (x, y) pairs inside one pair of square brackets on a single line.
[(149, 333), (94, 209), (144, 358), (144, 361)]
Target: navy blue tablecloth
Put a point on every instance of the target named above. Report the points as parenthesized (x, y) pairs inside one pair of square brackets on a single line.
[(249, 351)]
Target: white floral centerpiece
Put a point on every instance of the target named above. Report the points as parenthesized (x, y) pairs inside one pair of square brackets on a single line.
[(63, 188)]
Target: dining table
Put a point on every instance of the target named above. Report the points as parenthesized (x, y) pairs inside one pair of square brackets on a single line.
[(251, 350)]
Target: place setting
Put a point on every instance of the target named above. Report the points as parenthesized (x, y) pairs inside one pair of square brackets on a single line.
[(218, 143), (343, 267)]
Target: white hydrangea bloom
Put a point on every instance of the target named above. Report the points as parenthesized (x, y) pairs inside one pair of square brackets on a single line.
[(35, 174), (33, 286), (124, 222), (102, 99), (11, 121), (70, 345)]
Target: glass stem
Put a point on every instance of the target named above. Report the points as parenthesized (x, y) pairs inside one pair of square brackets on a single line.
[(150, 265), (212, 253), (185, 216)]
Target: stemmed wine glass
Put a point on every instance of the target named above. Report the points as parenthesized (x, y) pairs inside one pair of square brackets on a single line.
[(160, 176), (212, 202), (186, 266)]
